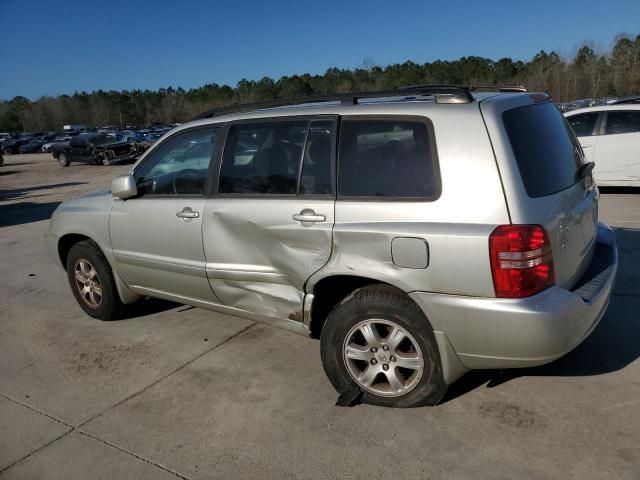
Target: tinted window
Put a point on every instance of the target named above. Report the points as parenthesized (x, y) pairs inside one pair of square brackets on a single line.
[(546, 151), (386, 158), (622, 122), (79, 141), (180, 165), (263, 157), (583, 124), (316, 167)]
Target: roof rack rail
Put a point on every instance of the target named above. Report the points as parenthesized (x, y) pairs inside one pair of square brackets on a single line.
[(440, 93), (498, 88)]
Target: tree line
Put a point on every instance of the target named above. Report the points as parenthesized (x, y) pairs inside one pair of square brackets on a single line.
[(589, 74)]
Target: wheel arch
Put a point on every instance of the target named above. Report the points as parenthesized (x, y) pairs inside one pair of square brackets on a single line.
[(68, 240), (331, 290)]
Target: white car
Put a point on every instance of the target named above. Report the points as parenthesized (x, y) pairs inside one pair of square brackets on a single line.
[(610, 137), (46, 148)]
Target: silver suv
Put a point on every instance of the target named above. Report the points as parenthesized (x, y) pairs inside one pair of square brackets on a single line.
[(418, 233)]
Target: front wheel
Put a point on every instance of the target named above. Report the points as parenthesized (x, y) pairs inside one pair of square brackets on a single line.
[(92, 281), (63, 160), (379, 341)]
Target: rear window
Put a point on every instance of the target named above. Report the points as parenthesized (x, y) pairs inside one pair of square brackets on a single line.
[(547, 153)]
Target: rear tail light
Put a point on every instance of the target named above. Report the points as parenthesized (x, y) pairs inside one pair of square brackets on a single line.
[(521, 260)]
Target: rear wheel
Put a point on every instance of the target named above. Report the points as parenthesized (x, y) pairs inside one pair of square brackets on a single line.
[(63, 160), (92, 281), (379, 341)]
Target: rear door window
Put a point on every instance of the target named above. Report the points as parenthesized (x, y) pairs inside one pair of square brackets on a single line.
[(546, 150), (317, 175), (583, 124), (263, 157), (622, 122), (387, 158)]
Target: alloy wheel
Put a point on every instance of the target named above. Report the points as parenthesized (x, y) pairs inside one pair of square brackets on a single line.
[(88, 283), (383, 358)]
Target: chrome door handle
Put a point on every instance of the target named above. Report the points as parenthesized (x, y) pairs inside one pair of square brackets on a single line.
[(308, 215), (187, 214)]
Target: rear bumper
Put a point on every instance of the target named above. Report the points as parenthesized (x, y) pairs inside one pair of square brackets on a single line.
[(507, 333)]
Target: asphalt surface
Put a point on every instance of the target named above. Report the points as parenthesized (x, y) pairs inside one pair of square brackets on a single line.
[(182, 392)]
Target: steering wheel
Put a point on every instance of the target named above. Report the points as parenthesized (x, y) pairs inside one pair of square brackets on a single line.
[(189, 176)]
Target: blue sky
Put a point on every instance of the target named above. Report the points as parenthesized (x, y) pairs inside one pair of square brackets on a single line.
[(54, 47)]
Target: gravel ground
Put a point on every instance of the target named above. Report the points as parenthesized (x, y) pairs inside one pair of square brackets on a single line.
[(33, 185), (179, 392)]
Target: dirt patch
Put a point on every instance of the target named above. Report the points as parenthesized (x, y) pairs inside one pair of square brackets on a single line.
[(510, 414), (109, 360)]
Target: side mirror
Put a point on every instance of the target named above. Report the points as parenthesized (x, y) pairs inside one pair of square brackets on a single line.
[(124, 186)]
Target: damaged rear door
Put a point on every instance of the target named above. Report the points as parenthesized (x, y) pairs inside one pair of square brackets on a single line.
[(269, 226)]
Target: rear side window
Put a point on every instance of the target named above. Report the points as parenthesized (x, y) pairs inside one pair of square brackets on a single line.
[(547, 153), (583, 124), (263, 157), (387, 158), (622, 122), (317, 176)]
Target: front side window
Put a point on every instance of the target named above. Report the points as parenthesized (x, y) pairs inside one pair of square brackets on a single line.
[(180, 166), (583, 124), (386, 158), (263, 157), (622, 122)]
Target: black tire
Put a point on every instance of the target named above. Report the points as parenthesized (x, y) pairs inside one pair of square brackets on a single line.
[(106, 162), (110, 306), (63, 160), (389, 304)]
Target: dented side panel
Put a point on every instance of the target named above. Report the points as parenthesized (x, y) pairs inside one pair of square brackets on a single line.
[(455, 227), (258, 258)]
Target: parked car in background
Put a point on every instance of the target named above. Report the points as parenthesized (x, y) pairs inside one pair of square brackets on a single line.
[(46, 147), (34, 146), (12, 146), (96, 148), (610, 137), (152, 137), (625, 100), (73, 128), (435, 231)]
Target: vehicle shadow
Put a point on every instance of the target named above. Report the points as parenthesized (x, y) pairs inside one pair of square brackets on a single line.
[(25, 212), (619, 190), (19, 193), (613, 345), (148, 306), (9, 163)]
